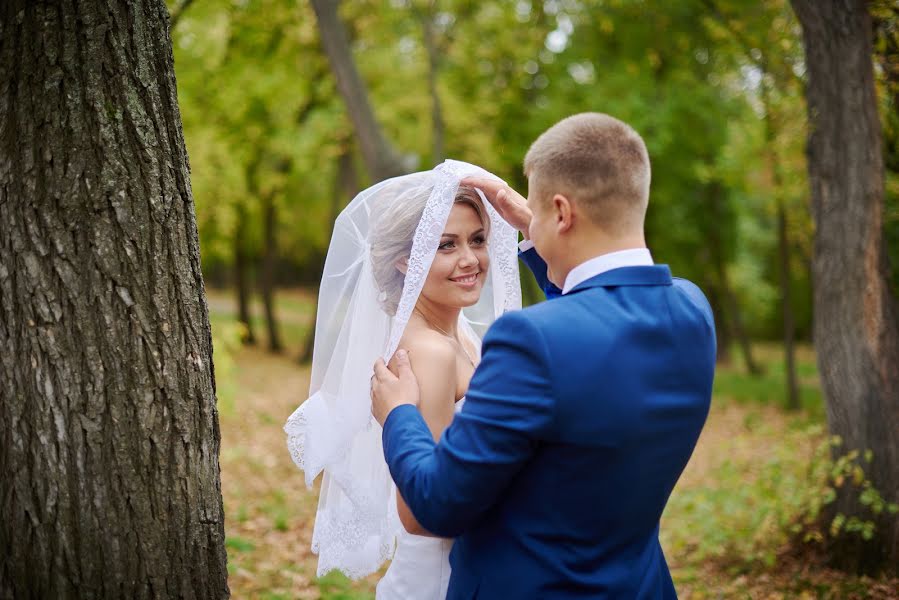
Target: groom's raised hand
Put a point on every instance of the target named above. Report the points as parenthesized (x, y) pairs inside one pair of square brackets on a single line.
[(388, 390), (510, 205)]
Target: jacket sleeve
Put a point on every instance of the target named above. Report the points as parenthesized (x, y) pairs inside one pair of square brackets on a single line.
[(508, 410), (538, 268)]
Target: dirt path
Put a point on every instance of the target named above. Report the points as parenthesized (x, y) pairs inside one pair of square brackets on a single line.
[(270, 513)]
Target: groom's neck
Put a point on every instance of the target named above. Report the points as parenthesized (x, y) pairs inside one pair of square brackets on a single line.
[(585, 245)]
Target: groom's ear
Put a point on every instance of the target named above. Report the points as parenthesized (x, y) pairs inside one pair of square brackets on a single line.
[(402, 265), (563, 213)]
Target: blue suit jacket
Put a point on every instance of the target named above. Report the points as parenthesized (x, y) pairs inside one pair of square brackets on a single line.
[(577, 423)]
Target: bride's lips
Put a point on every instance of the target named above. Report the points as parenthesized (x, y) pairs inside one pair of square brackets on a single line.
[(467, 281)]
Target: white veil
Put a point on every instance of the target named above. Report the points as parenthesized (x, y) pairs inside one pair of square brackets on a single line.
[(333, 430)]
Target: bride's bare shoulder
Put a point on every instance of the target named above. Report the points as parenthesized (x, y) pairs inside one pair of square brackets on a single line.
[(428, 350)]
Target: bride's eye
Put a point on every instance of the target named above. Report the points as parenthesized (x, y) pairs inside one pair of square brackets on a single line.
[(445, 246), (479, 240)]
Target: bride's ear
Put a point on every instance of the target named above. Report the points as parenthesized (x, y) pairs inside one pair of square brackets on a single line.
[(402, 265)]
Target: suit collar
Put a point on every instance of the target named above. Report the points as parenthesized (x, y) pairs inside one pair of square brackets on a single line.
[(642, 275), (631, 257)]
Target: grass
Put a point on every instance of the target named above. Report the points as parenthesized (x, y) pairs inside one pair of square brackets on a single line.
[(724, 531), (769, 388)]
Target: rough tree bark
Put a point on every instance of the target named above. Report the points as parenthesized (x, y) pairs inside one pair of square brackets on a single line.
[(109, 449), (381, 160), (856, 325)]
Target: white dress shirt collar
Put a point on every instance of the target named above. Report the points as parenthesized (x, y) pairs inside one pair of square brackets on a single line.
[(634, 257)]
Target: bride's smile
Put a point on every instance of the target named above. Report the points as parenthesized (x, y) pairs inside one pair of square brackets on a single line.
[(466, 280)]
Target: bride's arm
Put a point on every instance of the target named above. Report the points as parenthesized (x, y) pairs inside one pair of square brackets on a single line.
[(434, 363)]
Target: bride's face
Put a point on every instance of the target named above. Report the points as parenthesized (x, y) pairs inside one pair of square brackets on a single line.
[(460, 265)]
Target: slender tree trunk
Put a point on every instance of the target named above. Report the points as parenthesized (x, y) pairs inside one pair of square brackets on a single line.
[(727, 297), (109, 471), (267, 271), (381, 159), (346, 186), (788, 331), (736, 321), (437, 125), (241, 283), (786, 301), (722, 325), (855, 322)]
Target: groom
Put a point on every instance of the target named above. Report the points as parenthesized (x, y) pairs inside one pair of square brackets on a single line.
[(584, 410)]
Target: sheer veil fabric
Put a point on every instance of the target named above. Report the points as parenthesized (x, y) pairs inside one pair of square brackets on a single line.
[(333, 431)]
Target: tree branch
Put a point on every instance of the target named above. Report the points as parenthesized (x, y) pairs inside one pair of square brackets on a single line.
[(725, 22), (178, 12)]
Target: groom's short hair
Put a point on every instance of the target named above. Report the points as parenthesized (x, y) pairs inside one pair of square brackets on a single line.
[(597, 161)]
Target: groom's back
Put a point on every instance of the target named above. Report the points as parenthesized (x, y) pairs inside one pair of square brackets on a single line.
[(630, 366)]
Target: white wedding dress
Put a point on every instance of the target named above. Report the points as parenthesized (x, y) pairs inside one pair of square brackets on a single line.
[(420, 569), (332, 433)]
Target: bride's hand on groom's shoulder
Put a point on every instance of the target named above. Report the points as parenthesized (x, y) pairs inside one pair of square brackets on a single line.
[(512, 206), (389, 389)]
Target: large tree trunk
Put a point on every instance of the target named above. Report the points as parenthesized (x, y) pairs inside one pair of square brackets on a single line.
[(241, 268), (381, 159), (855, 324), (110, 440)]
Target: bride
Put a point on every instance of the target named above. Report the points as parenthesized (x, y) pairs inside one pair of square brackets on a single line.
[(406, 257)]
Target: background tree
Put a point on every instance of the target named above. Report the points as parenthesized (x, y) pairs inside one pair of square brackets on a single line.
[(766, 40), (110, 447), (885, 16), (381, 159), (856, 320)]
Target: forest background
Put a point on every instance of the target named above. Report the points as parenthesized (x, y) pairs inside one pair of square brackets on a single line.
[(716, 88), (289, 109)]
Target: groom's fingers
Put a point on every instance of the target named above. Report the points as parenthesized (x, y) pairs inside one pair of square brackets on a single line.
[(381, 371), (489, 186), (403, 366), (502, 200)]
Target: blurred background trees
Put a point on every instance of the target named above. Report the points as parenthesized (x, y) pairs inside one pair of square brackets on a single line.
[(283, 126), (713, 86)]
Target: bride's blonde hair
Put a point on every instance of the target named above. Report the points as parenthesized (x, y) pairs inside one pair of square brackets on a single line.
[(391, 238)]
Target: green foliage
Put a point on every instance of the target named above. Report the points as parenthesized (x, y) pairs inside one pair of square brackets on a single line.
[(718, 99), (769, 388), (336, 586), (239, 544), (743, 518), (752, 512), (226, 336), (845, 472)]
